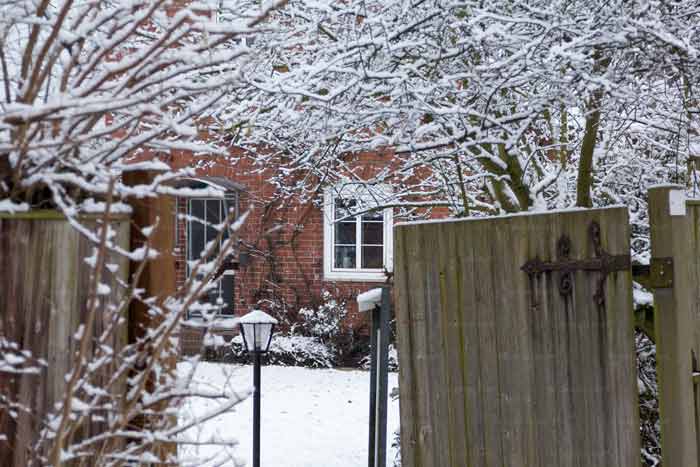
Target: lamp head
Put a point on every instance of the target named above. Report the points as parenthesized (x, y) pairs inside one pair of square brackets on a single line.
[(256, 329)]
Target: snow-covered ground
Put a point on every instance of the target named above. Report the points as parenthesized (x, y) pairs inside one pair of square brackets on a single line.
[(310, 417)]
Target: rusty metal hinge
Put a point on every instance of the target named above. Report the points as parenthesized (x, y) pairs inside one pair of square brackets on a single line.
[(604, 263)]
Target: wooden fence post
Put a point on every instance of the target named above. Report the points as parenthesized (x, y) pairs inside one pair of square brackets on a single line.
[(673, 286), (158, 277)]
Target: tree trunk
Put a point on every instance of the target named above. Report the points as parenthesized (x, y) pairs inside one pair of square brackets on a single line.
[(590, 138)]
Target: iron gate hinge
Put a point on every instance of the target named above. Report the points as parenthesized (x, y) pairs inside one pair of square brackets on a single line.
[(603, 263)]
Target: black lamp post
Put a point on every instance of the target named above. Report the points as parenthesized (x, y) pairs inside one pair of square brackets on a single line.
[(256, 329)]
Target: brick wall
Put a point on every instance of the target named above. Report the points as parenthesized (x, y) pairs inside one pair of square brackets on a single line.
[(285, 244)]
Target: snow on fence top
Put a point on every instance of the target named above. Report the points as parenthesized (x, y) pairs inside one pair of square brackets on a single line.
[(507, 216)]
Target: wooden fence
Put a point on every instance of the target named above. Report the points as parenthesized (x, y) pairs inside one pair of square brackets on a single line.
[(42, 301), (515, 337)]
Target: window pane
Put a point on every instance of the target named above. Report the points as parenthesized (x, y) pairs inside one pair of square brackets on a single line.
[(345, 257), (229, 208), (213, 218), (373, 216), (372, 257), (345, 233), (373, 233), (343, 207), (227, 294), (214, 296), (196, 243)]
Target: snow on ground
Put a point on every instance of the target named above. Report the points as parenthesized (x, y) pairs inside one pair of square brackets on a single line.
[(310, 417)]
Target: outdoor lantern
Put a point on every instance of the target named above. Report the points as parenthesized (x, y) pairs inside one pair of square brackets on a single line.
[(256, 329)]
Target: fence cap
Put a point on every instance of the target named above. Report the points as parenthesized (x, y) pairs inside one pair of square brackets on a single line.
[(366, 301)]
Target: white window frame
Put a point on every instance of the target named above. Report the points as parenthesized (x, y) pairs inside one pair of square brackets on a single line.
[(330, 272)]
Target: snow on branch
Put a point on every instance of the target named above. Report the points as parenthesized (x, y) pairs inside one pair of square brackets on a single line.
[(91, 95)]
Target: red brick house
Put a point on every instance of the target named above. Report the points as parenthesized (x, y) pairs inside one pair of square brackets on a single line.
[(290, 252)]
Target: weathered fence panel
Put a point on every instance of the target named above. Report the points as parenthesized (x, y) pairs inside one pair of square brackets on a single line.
[(45, 286), (516, 341)]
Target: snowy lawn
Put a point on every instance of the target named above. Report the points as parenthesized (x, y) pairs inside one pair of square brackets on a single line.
[(310, 417)]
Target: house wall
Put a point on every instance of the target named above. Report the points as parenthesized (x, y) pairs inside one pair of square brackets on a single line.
[(285, 242), (285, 238)]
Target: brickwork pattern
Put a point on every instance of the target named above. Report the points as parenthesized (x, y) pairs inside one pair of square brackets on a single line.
[(285, 244)]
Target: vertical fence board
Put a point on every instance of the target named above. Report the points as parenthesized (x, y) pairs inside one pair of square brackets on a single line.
[(503, 325), (575, 314), (475, 433), (624, 357), (521, 371), (452, 326), (158, 281), (602, 349), (560, 314), (435, 345), (407, 398), (512, 372), (540, 322), (423, 398), (484, 288)]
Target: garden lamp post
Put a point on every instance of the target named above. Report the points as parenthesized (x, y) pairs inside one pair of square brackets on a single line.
[(256, 329)]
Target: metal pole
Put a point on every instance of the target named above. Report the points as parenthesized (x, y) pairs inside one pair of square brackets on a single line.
[(256, 411), (382, 376), (379, 371), (373, 387)]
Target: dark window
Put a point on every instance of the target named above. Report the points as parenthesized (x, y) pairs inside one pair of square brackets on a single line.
[(204, 218)]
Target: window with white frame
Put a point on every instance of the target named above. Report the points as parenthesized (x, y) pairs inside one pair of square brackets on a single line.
[(356, 247)]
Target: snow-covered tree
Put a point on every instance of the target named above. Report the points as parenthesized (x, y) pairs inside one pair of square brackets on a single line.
[(89, 92), (479, 106)]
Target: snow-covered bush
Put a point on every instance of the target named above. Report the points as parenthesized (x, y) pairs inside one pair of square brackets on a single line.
[(648, 400), (323, 321), (393, 359), (326, 321), (396, 442), (317, 339), (289, 350)]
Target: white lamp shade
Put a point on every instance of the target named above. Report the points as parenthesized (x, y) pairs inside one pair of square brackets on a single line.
[(256, 328), (257, 336)]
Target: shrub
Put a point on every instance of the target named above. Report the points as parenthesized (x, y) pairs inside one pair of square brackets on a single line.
[(317, 339), (287, 350), (324, 321), (393, 359)]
